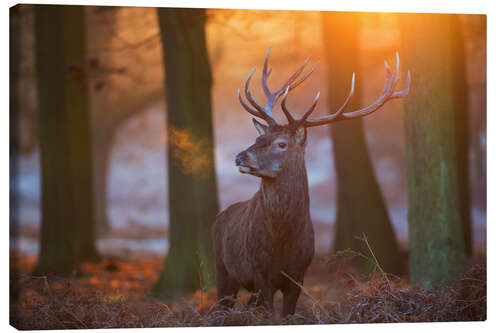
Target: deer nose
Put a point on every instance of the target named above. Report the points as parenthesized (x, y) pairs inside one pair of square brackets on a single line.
[(240, 158)]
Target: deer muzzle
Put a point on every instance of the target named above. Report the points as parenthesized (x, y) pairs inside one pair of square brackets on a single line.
[(243, 163)]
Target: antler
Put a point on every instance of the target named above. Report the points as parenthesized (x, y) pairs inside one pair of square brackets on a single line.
[(387, 94), (293, 122), (271, 97)]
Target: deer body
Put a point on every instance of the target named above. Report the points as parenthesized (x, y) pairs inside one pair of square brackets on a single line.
[(266, 243), (256, 240)]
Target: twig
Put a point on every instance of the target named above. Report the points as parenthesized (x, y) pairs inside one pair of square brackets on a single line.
[(472, 303), (75, 316), (365, 239), (53, 315), (172, 313)]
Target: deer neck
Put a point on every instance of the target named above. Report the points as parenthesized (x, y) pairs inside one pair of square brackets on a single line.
[(286, 197)]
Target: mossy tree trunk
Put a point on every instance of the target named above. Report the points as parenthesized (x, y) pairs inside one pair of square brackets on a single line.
[(192, 187), (361, 208), (67, 209), (437, 249)]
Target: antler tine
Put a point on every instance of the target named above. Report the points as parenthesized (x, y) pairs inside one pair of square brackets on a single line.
[(387, 94), (292, 85), (248, 108), (329, 118), (308, 112), (249, 95), (258, 111), (405, 90), (288, 115), (293, 77), (305, 76), (265, 74), (396, 77), (272, 97)]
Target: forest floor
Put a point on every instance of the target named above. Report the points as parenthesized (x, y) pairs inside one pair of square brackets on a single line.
[(115, 293)]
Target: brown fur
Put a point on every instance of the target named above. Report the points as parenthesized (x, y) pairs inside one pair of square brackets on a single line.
[(255, 240)]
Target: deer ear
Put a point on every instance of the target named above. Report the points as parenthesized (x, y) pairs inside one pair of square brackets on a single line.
[(300, 135), (261, 128)]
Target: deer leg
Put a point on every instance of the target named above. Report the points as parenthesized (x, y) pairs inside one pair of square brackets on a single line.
[(256, 299), (227, 288), (291, 294), (266, 297)]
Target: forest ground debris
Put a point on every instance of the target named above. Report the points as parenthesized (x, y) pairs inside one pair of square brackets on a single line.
[(334, 292)]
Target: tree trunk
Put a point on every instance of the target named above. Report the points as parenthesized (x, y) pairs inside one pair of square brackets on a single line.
[(14, 128), (67, 209), (101, 110), (14, 114), (105, 129), (361, 208), (193, 199), (477, 114), (461, 94), (437, 250), (102, 156)]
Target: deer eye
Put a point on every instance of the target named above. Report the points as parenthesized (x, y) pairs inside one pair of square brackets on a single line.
[(282, 144)]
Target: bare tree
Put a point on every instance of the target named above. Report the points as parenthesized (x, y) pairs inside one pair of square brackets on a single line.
[(117, 93), (437, 249), (192, 186), (463, 136), (67, 210), (14, 129), (357, 184)]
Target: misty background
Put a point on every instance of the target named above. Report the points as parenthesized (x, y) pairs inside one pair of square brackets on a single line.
[(127, 75)]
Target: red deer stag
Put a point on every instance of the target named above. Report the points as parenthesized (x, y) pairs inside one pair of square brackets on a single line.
[(262, 242)]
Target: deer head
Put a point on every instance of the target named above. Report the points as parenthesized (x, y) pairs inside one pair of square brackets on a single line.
[(279, 145)]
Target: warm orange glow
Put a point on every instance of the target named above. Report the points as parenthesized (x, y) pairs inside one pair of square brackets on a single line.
[(193, 154)]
